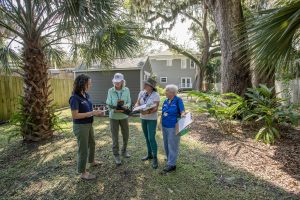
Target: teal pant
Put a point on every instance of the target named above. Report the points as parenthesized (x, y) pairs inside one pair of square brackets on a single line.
[(86, 145), (149, 129)]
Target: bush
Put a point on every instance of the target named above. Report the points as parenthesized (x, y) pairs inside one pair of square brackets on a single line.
[(260, 104), (272, 111), (223, 108), (160, 90)]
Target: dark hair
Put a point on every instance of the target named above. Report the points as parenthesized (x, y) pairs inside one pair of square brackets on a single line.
[(80, 84)]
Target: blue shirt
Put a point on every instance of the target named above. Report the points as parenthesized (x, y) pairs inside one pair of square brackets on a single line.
[(171, 111), (83, 105)]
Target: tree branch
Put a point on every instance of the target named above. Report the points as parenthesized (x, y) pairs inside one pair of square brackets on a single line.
[(174, 47), (192, 18)]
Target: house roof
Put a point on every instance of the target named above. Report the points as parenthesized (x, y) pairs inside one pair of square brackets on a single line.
[(118, 64), (164, 53), (168, 52)]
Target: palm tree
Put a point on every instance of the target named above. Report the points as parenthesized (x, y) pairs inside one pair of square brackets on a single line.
[(41, 25), (273, 41)]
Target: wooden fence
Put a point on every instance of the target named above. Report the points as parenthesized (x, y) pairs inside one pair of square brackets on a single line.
[(11, 88)]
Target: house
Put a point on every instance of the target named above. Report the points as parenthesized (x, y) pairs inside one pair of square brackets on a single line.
[(172, 68), (135, 71), (64, 73)]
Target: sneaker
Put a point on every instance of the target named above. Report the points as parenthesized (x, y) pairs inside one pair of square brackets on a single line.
[(149, 157), (118, 160), (154, 163), (126, 154), (169, 168)]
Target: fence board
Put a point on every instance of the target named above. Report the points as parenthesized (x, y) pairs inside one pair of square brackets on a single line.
[(11, 87)]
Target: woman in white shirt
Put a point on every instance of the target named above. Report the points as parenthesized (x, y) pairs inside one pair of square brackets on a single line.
[(149, 118)]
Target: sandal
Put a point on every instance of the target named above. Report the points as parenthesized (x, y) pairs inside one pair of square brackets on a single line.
[(88, 177)]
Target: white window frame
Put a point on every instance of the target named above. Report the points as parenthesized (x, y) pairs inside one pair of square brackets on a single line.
[(192, 66), (165, 78), (185, 86), (183, 63), (169, 62)]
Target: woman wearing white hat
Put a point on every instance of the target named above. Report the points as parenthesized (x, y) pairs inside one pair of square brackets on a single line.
[(119, 97)]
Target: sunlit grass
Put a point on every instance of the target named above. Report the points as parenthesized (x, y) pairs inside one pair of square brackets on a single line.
[(48, 171)]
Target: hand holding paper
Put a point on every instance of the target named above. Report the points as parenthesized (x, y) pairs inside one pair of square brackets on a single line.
[(184, 121)]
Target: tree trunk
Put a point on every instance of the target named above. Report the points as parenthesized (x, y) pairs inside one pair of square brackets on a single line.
[(258, 78), (199, 79), (36, 104), (235, 74)]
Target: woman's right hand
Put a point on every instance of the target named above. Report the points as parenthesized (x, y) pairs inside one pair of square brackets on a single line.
[(95, 113)]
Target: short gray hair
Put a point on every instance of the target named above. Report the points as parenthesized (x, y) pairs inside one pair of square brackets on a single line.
[(172, 88)]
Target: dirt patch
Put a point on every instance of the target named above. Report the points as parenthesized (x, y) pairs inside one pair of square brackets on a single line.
[(278, 164)]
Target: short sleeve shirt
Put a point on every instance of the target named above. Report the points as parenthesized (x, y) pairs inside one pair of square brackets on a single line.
[(148, 99), (171, 111), (83, 105)]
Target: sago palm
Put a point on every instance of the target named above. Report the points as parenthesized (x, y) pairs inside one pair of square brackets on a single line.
[(39, 25)]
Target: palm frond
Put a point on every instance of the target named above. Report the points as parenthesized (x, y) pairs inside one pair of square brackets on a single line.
[(55, 56), (9, 58), (273, 39)]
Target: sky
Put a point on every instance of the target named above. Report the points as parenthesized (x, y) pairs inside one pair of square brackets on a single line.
[(181, 34)]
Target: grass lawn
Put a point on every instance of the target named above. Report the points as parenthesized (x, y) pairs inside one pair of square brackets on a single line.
[(48, 171)]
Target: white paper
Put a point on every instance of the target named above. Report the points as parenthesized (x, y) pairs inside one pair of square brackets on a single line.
[(185, 121), (144, 107)]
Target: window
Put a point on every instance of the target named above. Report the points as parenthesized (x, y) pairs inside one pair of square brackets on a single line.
[(145, 77), (183, 63), (186, 82), (169, 63), (163, 79), (193, 65)]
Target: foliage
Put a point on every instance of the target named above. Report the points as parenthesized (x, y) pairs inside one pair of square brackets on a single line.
[(278, 26), (18, 121), (160, 90), (269, 109), (94, 29), (260, 104), (223, 108), (212, 74)]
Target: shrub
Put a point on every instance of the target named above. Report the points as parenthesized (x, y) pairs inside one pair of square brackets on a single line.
[(223, 108), (272, 111), (260, 104), (160, 90)]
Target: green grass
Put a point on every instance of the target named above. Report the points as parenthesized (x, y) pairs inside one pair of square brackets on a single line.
[(48, 171)]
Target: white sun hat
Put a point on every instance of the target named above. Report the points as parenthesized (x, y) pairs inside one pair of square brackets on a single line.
[(118, 77)]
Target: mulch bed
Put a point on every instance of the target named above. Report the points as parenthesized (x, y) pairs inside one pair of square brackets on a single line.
[(278, 163)]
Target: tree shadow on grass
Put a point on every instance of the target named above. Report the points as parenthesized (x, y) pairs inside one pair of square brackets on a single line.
[(199, 176)]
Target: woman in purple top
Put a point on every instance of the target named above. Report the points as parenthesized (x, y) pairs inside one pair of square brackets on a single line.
[(82, 114)]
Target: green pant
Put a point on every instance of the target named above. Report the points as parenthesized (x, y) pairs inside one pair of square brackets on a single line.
[(149, 129), (114, 128), (86, 145)]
